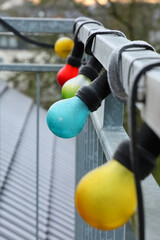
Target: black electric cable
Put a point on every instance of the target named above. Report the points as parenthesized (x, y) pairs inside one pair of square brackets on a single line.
[(80, 19), (89, 41), (137, 59), (133, 144), (24, 38), (84, 23), (74, 59)]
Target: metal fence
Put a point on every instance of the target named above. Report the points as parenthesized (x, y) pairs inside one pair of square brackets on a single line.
[(104, 128), (108, 120)]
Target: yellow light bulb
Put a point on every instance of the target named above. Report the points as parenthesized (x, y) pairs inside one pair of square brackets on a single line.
[(106, 196), (63, 46)]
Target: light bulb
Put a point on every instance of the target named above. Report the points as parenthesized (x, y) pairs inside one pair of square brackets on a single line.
[(63, 46), (71, 87), (66, 118), (106, 196), (66, 73), (87, 74), (71, 68)]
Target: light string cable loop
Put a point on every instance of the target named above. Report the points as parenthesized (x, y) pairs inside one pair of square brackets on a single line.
[(114, 78), (133, 142), (82, 19), (84, 22), (24, 38), (89, 41), (138, 59)]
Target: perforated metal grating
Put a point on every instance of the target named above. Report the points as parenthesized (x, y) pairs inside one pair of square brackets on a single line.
[(18, 173)]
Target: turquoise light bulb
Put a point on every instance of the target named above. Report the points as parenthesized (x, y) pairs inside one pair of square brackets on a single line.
[(71, 87), (67, 117)]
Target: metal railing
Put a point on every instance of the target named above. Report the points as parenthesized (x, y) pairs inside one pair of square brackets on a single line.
[(108, 120), (104, 130)]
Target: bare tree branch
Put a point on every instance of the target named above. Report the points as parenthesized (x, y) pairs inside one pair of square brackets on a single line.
[(122, 19)]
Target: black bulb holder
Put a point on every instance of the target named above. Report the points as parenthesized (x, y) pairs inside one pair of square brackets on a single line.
[(148, 149), (91, 69), (74, 59), (94, 93)]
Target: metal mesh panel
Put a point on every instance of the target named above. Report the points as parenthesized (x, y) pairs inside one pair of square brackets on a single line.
[(89, 155), (28, 212)]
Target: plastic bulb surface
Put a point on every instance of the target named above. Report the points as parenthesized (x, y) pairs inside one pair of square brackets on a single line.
[(106, 197), (66, 118), (63, 46), (71, 87), (66, 73)]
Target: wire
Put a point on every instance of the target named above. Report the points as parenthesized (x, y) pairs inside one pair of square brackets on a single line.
[(133, 149), (135, 166), (137, 59), (24, 38)]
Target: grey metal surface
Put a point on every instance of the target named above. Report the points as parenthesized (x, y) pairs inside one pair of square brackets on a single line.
[(109, 125), (15, 67), (3, 86), (38, 25), (10, 121), (18, 174)]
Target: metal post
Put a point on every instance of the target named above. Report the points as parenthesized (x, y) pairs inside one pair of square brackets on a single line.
[(37, 152)]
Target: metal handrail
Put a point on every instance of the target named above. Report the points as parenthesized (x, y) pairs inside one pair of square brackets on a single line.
[(39, 25)]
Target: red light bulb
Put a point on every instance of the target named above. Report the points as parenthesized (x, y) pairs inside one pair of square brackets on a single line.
[(66, 73), (71, 68)]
